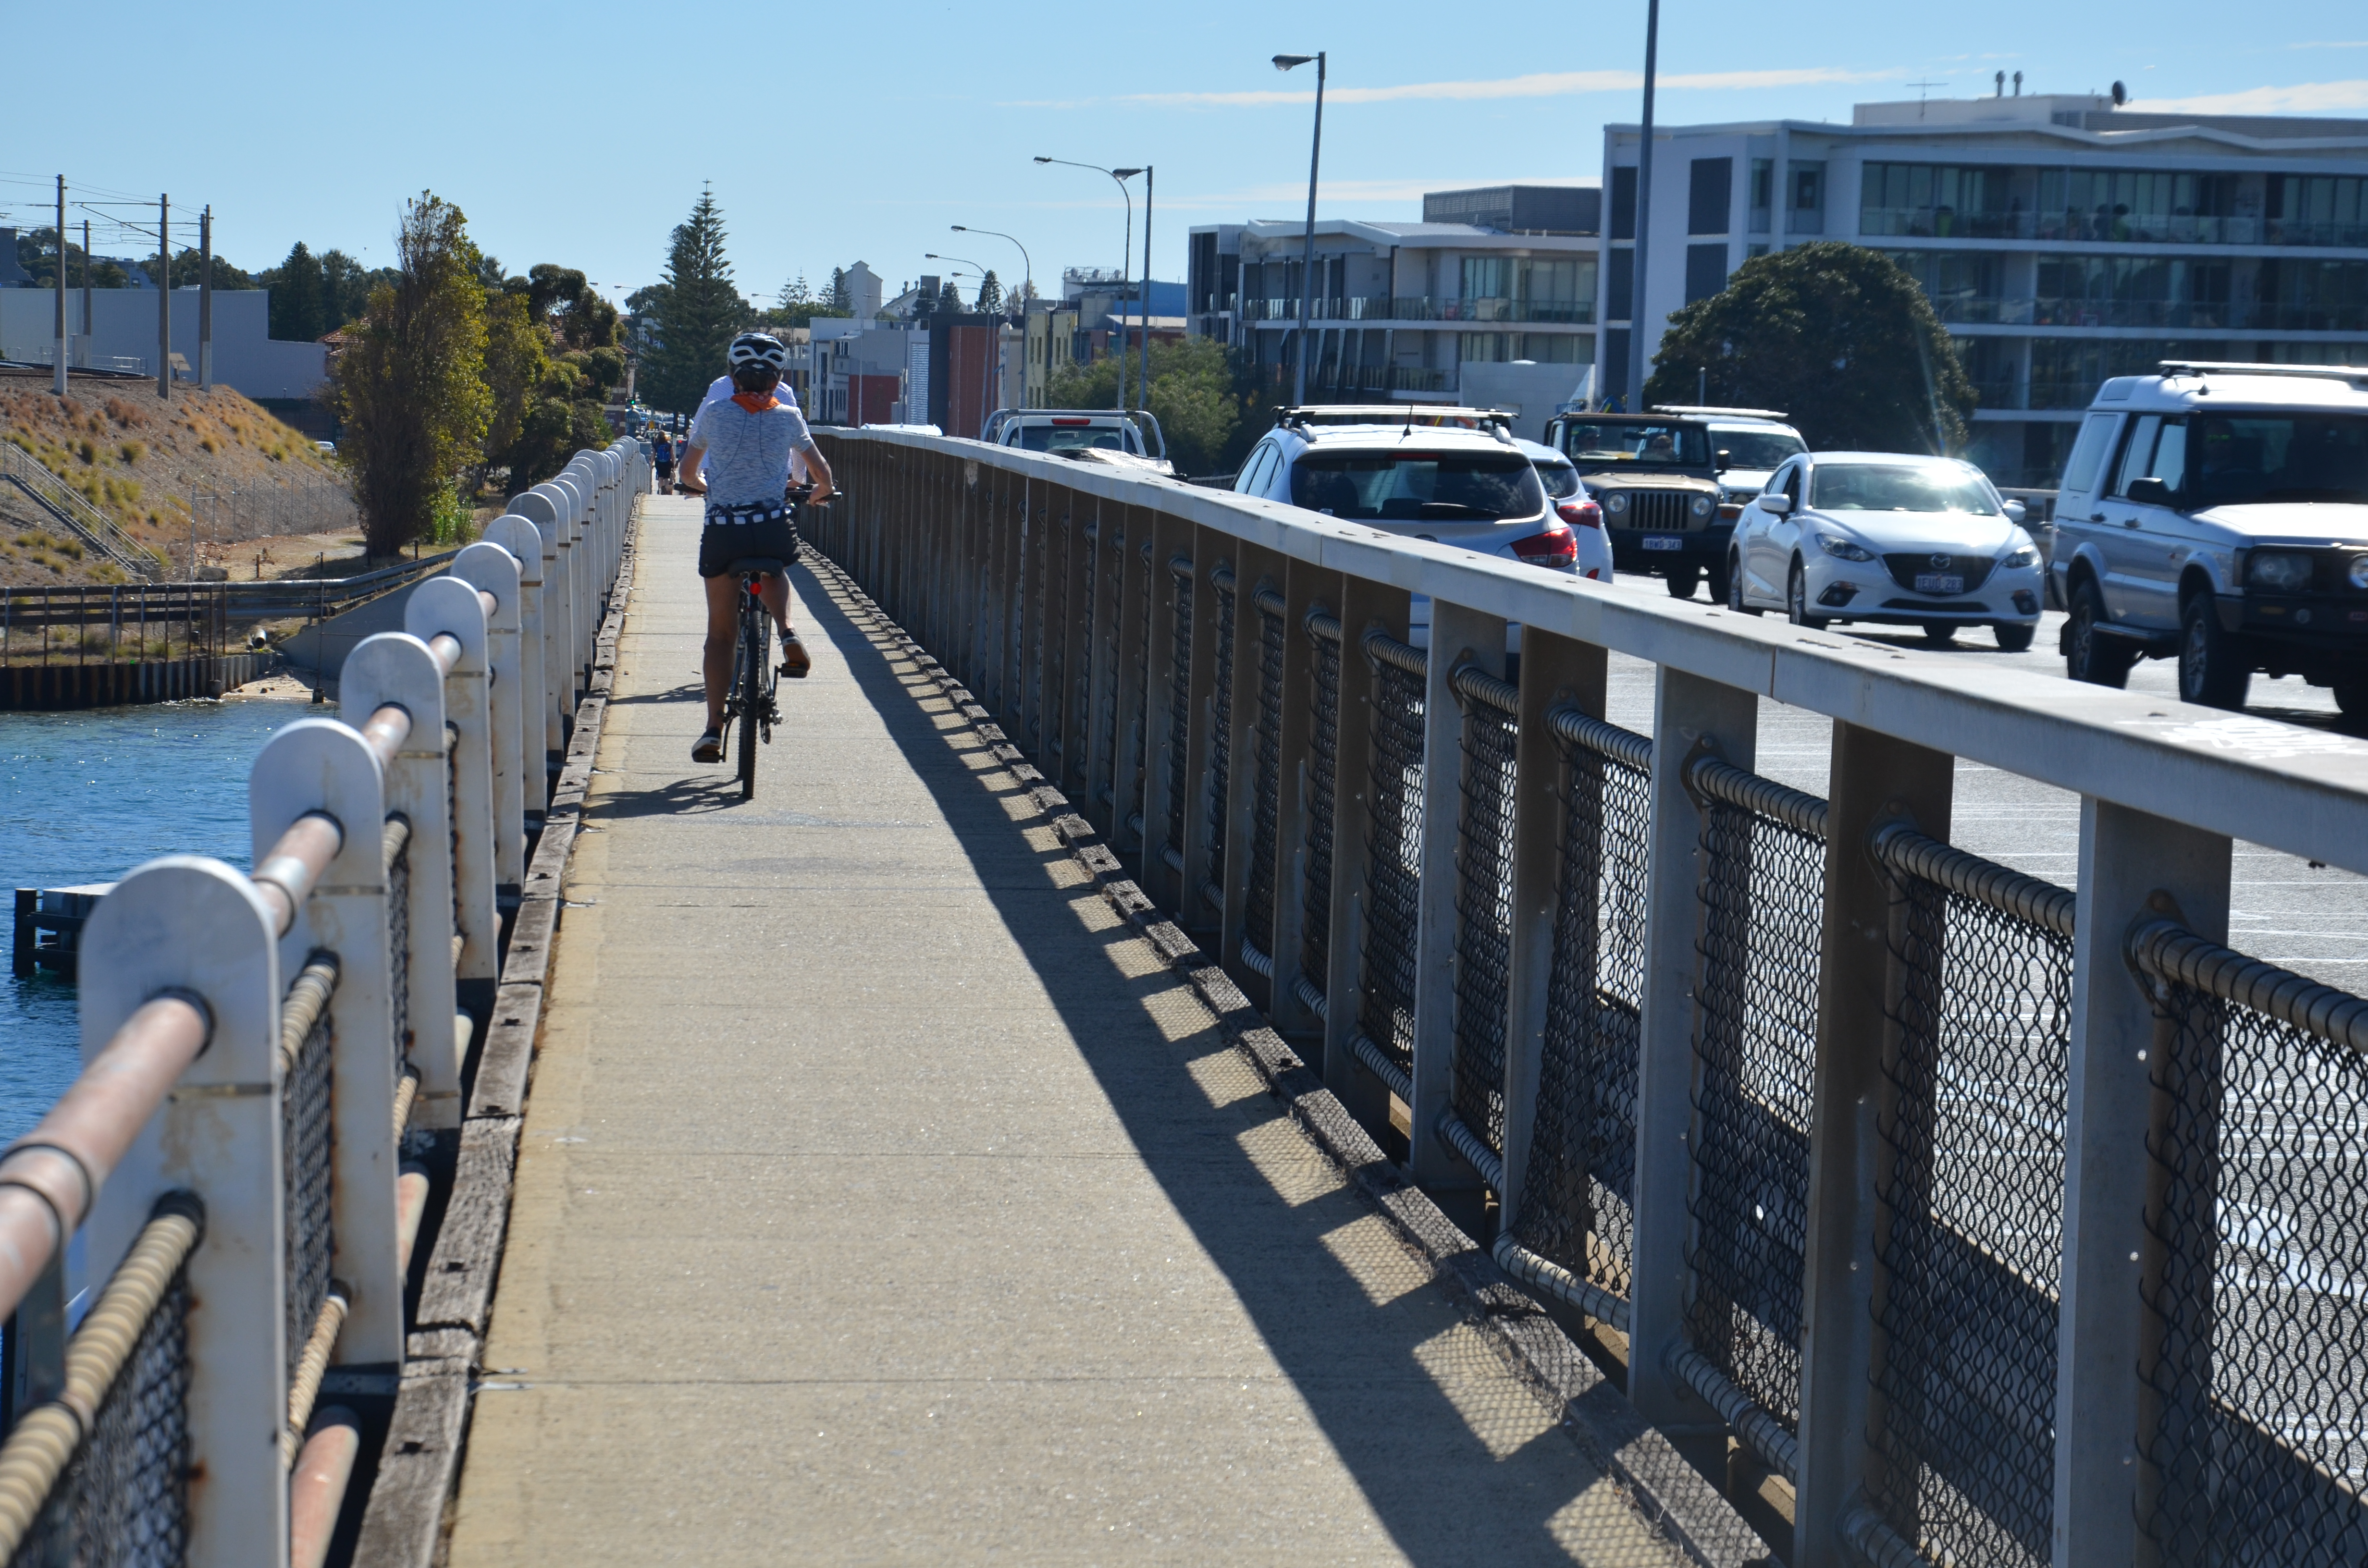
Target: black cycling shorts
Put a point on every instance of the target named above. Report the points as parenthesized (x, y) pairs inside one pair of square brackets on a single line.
[(734, 533)]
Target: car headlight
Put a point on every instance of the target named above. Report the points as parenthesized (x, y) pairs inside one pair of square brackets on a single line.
[(2027, 556), (2281, 571), (1704, 506), (1835, 545), (2359, 572), (1615, 503)]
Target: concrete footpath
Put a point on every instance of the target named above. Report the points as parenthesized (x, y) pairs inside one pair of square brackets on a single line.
[(882, 1198)]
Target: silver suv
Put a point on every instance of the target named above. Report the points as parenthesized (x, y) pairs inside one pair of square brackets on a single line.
[(2218, 514)]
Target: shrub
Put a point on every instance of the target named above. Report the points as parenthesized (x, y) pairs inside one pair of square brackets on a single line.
[(88, 451), (131, 451)]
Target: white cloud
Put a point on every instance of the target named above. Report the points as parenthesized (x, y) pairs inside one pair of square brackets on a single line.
[(2309, 97), (1542, 85)]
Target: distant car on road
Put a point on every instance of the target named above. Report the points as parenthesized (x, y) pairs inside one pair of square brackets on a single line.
[(2219, 513), (1573, 506), (1086, 434), (1655, 476), (1887, 538)]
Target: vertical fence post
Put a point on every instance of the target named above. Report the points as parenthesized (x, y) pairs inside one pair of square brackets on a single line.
[(1365, 606), (396, 667), (1080, 605), (1171, 539), (448, 604), (1211, 551), (490, 567), (323, 765), (1875, 780), (2134, 867), (1555, 671), (545, 507), (1132, 663), (1306, 585), (195, 925), (1105, 574), (1254, 568), (1458, 636), (524, 542), (1690, 716)]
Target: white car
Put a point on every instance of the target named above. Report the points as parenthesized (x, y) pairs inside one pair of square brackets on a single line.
[(1131, 436), (1573, 506), (1891, 538)]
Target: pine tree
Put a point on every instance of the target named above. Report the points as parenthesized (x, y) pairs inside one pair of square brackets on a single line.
[(990, 295), (701, 311), (949, 298), (296, 313), (841, 301), (795, 295)]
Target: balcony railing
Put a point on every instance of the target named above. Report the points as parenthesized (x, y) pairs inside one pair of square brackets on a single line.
[(1376, 307), (2223, 314), (2108, 228)]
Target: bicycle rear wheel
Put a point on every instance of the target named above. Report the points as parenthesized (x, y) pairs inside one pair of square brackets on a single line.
[(752, 694)]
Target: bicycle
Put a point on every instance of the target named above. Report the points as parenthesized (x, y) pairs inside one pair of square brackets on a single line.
[(751, 701)]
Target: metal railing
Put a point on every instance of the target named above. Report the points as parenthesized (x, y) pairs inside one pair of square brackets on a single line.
[(1421, 307), (2010, 1224), (262, 1050), (87, 523)]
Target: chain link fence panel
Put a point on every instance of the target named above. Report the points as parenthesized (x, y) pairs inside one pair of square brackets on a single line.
[(305, 1138), (1578, 1194), (1484, 904), (1970, 1239), (1265, 762), (1221, 729), (1179, 708), (1323, 773), (2253, 1440), (1755, 1043), (1394, 849)]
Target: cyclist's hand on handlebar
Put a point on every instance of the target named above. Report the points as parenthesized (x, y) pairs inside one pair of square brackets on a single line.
[(820, 493)]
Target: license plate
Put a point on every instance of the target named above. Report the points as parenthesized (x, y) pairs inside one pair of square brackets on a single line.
[(1936, 583), (1662, 542)]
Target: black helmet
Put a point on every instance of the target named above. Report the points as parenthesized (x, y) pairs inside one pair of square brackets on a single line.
[(755, 348)]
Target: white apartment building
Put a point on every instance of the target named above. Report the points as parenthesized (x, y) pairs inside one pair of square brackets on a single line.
[(1500, 275), (2062, 239)]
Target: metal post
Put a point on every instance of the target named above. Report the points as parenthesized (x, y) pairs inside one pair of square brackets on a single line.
[(1134, 659), (1690, 716), (1458, 636), (1877, 779), (524, 542), (494, 570), (1307, 258), (206, 299), (85, 291), (1143, 355), (1253, 568), (1635, 397), (2134, 868), (165, 325), (447, 605), (58, 383), (1210, 549), (1171, 537), (1306, 587)]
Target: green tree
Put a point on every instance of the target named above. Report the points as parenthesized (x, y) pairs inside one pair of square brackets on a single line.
[(1203, 395), (1834, 334), (696, 317), (410, 384), (346, 287), (990, 295), (188, 271), (517, 362), (842, 302), (299, 314), (949, 300)]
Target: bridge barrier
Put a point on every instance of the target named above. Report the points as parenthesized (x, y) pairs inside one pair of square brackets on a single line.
[(215, 1226), (2009, 1222)]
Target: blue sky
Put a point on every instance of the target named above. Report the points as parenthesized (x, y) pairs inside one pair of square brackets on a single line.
[(582, 134)]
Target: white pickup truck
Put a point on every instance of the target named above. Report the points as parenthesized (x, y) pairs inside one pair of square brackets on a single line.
[(1127, 438)]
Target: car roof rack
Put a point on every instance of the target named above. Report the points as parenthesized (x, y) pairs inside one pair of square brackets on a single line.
[(1430, 415), (2356, 375), (1729, 412)]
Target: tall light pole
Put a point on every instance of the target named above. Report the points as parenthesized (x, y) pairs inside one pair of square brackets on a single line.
[(995, 347), (1307, 255), (1028, 285), (1644, 213), (1122, 176)]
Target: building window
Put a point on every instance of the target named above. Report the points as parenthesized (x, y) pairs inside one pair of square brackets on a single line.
[(1963, 286), (1763, 191), (1618, 285), (1944, 200), (1752, 252), (1806, 198), (1624, 202), (2318, 209), (2135, 290), (1542, 347), (1710, 192), (2145, 206), (1991, 365), (1521, 287), (1705, 272), (2066, 371)]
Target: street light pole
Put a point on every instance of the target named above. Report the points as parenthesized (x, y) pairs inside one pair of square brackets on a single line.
[(1307, 254), (995, 335), (1028, 286), (1143, 351), (1643, 212), (1125, 251)]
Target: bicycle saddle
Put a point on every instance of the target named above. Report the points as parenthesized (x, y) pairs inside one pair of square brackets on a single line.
[(756, 563)]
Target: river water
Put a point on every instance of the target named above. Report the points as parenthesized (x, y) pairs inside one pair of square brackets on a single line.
[(84, 798)]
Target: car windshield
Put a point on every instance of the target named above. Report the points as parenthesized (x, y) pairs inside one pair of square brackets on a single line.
[(2236, 457), (1560, 479), (1071, 437), (1417, 486), (1901, 487), (1670, 446), (1756, 449)]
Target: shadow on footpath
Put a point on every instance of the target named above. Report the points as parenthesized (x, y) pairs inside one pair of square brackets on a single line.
[(1449, 1484)]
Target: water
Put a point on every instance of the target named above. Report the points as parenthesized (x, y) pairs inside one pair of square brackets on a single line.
[(86, 796)]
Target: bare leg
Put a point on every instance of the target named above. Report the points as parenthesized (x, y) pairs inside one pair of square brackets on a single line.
[(723, 632)]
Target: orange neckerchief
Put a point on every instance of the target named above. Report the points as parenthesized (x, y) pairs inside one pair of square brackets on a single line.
[(754, 404)]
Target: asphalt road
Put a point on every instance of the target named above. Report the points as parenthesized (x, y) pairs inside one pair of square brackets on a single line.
[(2308, 918)]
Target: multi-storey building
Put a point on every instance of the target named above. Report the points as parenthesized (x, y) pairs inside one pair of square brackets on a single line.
[(1495, 275), (2062, 239)]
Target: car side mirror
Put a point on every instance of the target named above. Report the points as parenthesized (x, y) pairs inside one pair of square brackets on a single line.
[(2149, 493), (2015, 512), (1726, 459), (1776, 504)]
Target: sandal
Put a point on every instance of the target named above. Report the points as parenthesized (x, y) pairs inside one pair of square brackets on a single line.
[(794, 662), (710, 748)]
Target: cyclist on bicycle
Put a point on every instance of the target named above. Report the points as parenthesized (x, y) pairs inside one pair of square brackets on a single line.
[(745, 443), (661, 454)]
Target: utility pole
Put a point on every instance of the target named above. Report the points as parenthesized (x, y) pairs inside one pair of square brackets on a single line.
[(59, 379), (165, 333), (1307, 255), (85, 290), (1142, 358), (1643, 211), (205, 298)]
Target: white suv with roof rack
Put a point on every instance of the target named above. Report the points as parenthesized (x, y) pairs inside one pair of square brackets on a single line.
[(2218, 514)]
